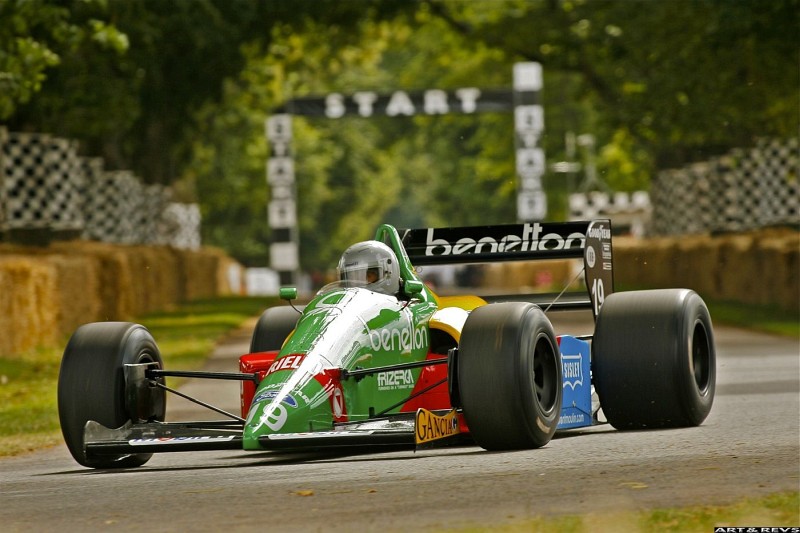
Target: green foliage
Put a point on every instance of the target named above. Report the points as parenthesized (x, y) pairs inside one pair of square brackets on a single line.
[(179, 91), (36, 35)]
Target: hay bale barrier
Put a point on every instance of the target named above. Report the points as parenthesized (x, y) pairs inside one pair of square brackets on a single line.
[(27, 316), (47, 292), (758, 267)]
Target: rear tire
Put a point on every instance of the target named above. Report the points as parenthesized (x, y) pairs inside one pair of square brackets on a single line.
[(273, 327), (654, 360), (91, 386), (509, 376)]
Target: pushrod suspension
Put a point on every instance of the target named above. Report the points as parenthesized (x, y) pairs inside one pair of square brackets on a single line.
[(402, 366)]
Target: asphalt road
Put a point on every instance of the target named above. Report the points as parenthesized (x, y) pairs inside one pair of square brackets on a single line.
[(748, 446)]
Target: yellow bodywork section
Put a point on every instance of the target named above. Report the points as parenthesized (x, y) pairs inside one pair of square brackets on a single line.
[(453, 312)]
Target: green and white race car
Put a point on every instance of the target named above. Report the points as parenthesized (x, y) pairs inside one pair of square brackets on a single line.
[(379, 359)]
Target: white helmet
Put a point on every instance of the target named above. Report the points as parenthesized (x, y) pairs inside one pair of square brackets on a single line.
[(371, 264)]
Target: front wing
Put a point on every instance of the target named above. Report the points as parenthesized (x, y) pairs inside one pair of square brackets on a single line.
[(410, 431)]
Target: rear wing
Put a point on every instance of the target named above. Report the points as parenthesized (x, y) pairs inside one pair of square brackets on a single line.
[(589, 240)]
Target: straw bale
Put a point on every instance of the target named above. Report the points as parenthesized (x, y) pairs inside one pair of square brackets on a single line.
[(696, 264), (155, 282), (651, 265), (780, 264), (76, 296), (201, 269), (495, 275), (27, 312), (47, 292), (740, 277)]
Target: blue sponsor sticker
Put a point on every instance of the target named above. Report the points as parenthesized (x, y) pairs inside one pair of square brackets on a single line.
[(576, 407), (272, 394)]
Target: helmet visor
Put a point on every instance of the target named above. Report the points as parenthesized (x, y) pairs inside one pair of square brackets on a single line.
[(360, 274)]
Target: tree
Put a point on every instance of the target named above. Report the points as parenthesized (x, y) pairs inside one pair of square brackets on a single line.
[(658, 84), (36, 35), (354, 173), (682, 80)]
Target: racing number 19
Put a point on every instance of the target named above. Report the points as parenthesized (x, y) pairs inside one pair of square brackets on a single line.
[(598, 295)]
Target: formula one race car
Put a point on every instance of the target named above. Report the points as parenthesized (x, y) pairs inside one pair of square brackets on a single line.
[(378, 359)]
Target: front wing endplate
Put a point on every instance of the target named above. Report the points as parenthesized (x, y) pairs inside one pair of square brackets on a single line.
[(152, 437)]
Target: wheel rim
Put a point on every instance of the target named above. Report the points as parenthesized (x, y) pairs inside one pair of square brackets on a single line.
[(701, 357), (545, 375)]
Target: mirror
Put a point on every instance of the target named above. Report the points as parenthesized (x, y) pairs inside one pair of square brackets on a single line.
[(288, 293), (412, 287)]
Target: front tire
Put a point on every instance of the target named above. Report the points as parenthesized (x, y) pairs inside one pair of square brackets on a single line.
[(654, 360), (509, 376), (273, 327), (91, 386)]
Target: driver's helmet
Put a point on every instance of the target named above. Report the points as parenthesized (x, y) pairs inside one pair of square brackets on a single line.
[(373, 264)]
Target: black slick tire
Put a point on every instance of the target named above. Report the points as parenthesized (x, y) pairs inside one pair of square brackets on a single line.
[(91, 386), (273, 327), (654, 359), (509, 376)]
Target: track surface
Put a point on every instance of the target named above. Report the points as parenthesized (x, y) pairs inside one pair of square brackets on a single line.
[(748, 446)]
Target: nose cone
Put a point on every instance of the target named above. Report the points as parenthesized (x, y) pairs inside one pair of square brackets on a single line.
[(298, 404)]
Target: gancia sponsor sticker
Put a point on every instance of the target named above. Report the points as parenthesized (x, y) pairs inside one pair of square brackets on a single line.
[(430, 426)]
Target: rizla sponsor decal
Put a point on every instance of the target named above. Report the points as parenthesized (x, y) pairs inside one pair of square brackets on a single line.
[(395, 379)]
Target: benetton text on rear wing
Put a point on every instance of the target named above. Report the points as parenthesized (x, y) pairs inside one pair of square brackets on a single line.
[(508, 242), (589, 240)]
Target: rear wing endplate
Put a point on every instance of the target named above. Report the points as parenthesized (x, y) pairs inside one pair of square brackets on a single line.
[(589, 240)]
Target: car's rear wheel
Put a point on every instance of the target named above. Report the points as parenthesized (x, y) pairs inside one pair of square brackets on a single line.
[(273, 327), (654, 360), (91, 386), (509, 376)]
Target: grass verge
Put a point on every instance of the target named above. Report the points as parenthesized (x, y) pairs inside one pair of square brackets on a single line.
[(760, 318), (774, 510), (28, 382), (764, 318)]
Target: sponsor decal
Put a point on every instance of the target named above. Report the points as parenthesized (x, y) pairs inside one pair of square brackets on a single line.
[(272, 394), (179, 440), (606, 250), (399, 338), (591, 256), (572, 370), (572, 418), (576, 405), (287, 362), (599, 232), (396, 379), (332, 392), (317, 434), (429, 426), (337, 403), (530, 239)]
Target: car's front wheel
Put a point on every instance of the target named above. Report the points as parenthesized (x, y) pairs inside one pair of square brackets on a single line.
[(273, 327), (91, 386)]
